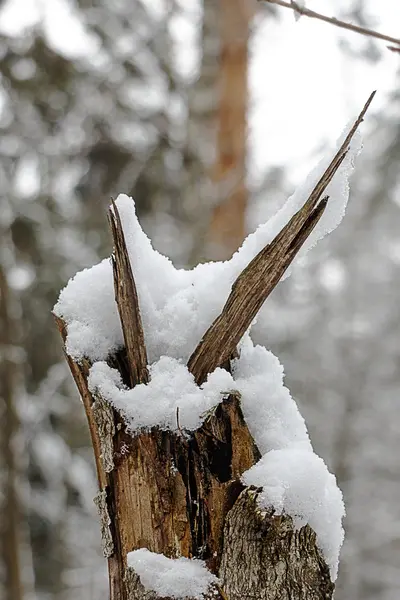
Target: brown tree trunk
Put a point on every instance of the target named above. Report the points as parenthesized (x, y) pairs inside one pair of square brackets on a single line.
[(180, 494), (200, 151), (227, 229)]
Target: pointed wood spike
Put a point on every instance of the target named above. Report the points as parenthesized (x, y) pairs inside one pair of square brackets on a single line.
[(262, 274), (248, 294), (337, 159), (127, 302)]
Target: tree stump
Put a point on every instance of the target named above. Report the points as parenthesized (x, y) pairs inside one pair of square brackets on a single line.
[(179, 493)]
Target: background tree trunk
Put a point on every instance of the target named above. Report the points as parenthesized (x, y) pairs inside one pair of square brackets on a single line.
[(10, 527), (227, 229)]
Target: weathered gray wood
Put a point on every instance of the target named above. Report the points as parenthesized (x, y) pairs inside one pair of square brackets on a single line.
[(265, 558)]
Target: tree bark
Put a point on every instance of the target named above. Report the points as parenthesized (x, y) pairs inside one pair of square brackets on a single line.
[(265, 558)]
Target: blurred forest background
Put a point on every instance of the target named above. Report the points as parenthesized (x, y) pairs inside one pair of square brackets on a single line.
[(199, 110)]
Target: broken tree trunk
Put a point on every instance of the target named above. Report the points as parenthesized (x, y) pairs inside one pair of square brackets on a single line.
[(180, 493)]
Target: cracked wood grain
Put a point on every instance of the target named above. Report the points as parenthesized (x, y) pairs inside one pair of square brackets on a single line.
[(80, 373)]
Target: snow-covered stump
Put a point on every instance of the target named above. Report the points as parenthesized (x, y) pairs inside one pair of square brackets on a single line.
[(175, 494), (208, 484)]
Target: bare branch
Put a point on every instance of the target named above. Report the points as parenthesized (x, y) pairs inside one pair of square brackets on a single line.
[(127, 301), (262, 274), (333, 21)]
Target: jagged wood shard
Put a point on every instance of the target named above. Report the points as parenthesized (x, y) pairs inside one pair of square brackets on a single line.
[(248, 294), (260, 277), (127, 302)]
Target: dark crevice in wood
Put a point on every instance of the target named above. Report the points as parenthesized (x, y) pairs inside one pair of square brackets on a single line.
[(220, 452), (116, 562), (120, 362)]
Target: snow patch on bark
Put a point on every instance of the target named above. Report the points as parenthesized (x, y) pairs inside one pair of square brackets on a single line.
[(297, 482), (171, 577)]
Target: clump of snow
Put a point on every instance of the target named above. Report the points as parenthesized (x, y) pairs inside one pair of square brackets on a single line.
[(301, 4), (172, 577), (270, 412), (297, 482), (177, 307), (170, 400), (88, 306)]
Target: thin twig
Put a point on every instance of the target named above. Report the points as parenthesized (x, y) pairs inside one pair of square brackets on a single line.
[(262, 274), (333, 21), (128, 303)]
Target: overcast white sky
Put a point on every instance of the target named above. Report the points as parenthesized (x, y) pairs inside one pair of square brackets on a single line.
[(304, 87)]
